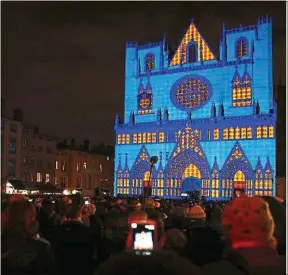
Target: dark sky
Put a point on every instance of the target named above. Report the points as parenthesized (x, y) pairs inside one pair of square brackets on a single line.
[(63, 62)]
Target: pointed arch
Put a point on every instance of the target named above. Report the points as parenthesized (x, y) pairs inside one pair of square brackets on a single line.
[(119, 177), (259, 190), (237, 161), (268, 179), (241, 47), (241, 89), (137, 173), (187, 151), (215, 179), (192, 34), (149, 62), (144, 99)]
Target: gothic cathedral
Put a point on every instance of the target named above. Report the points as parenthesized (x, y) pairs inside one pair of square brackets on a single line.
[(211, 121)]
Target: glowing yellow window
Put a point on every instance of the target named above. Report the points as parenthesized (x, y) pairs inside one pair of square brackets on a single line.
[(249, 132), (231, 133), (127, 138), (257, 184), (153, 137), (234, 94), (161, 137), (271, 131), (243, 132), (237, 133), (134, 138), (123, 138), (216, 134), (149, 137), (265, 132), (270, 184), (225, 133), (144, 137), (139, 140), (239, 176), (258, 132), (119, 139)]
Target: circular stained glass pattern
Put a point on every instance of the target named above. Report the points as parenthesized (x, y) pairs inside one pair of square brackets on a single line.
[(190, 92)]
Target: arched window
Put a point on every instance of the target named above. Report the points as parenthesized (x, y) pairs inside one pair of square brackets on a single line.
[(215, 184), (259, 183), (149, 63), (242, 48), (192, 53)]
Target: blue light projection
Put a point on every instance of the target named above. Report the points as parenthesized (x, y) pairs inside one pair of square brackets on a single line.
[(210, 121)]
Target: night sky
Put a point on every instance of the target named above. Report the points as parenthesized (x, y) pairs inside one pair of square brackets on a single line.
[(63, 62)]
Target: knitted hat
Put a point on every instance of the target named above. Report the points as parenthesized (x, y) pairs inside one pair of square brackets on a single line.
[(149, 203), (196, 212), (248, 219)]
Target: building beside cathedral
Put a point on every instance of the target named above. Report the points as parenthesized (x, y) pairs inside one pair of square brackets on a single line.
[(211, 121)]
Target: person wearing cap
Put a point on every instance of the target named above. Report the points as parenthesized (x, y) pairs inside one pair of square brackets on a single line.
[(248, 227), (195, 217)]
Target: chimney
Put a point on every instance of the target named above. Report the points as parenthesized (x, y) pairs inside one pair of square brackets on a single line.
[(18, 115)]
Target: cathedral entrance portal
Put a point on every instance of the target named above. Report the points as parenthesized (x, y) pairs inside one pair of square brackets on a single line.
[(190, 184), (191, 179)]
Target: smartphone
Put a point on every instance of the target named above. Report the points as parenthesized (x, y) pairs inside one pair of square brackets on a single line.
[(30, 200), (87, 202), (143, 238)]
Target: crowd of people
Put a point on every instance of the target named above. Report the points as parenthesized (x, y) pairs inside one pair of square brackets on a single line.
[(246, 235)]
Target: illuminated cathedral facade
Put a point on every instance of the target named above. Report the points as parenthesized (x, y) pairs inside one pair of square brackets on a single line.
[(211, 121)]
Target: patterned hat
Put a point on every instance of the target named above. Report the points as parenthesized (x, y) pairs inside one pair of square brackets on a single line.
[(196, 212), (248, 219)]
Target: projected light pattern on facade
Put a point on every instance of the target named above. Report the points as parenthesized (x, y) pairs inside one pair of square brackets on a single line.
[(210, 121)]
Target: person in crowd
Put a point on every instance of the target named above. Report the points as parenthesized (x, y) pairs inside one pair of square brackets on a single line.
[(204, 246), (22, 253), (173, 239), (48, 219), (115, 229), (279, 216), (195, 218), (75, 247), (248, 227), (158, 261)]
